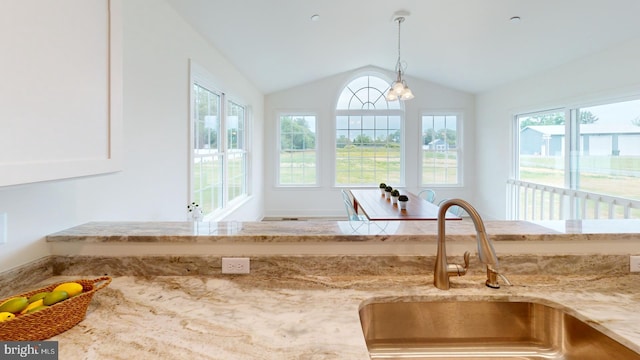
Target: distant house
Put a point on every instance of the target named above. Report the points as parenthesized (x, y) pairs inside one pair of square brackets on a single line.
[(595, 139), (438, 145)]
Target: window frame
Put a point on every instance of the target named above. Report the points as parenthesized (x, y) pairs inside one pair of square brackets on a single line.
[(572, 135), (279, 116), (201, 77), (243, 151), (569, 141), (459, 114), (338, 112)]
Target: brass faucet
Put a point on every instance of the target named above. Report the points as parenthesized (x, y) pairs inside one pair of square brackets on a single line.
[(486, 253)]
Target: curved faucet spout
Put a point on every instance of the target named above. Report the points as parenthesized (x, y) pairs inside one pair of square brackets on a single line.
[(486, 252)]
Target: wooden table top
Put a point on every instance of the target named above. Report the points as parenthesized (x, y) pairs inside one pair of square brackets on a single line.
[(376, 207)]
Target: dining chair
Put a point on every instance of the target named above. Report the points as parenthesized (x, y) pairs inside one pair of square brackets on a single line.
[(345, 195), (361, 224), (351, 212), (428, 195)]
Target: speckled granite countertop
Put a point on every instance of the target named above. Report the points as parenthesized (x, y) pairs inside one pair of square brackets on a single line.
[(617, 237), (322, 231), (304, 317), (304, 305)]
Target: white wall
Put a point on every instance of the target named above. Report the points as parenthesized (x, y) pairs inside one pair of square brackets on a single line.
[(611, 74), (153, 185), (321, 97)]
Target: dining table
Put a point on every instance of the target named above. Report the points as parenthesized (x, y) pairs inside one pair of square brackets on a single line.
[(375, 206)]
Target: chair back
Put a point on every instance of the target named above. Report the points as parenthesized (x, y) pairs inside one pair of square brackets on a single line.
[(351, 212), (345, 195), (428, 195), (455, 209)]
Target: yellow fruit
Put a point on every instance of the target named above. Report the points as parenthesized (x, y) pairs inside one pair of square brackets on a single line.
[(33, 305), (54, 297), (41, 307), (37, 296), (4, 316), (71, 288), (14, 305)]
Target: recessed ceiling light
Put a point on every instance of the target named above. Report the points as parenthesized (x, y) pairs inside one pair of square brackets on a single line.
[(515, 19), (315, 17)]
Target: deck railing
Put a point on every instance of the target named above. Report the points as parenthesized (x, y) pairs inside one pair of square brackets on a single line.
[(531, 201)]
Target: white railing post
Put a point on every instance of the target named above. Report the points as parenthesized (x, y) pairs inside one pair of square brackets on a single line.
[(527, 200)]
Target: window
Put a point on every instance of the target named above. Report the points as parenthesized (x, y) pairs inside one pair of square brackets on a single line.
[(298, 152), (608, 149), (441, 150), (207, 165), (605, 141), (368, 135), (236, 151), (593, 151), (219, 163), (541, 157)]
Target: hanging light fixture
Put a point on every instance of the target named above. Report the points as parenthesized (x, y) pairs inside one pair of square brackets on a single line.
[(399, 89)]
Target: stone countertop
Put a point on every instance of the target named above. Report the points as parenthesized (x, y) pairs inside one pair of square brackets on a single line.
[(305, 316), (332, 231), (303, 307), (116, 239)]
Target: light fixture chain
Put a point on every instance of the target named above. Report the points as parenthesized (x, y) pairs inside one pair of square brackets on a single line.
[(399, 89), (399, 22)]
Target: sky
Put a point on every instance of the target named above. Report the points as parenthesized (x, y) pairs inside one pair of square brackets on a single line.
[(620, 113)]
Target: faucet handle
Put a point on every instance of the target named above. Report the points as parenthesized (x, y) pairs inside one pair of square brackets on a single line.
[(457, 269), (492, 278)]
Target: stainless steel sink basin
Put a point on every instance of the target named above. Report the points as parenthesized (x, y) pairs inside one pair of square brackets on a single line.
[(482, 329)]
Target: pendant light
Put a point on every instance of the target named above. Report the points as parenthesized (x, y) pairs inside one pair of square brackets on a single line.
[(399, 89)]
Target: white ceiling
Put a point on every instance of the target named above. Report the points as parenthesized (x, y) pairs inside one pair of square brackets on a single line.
[(466, 44)]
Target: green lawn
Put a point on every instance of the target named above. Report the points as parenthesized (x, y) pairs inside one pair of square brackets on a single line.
[(367, 165), (208, 182), (541, 170), (620, 181)]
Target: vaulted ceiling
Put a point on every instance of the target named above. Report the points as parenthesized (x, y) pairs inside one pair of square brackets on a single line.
[(471, 45)]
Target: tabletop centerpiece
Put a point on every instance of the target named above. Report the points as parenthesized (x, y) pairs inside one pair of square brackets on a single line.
[(402, 202), (394, 196), (387, 192)]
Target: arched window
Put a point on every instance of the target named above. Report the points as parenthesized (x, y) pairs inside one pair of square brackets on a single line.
[(368, 134)]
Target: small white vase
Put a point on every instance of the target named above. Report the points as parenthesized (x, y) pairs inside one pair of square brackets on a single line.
[(394, 200), (402, 205), (195, 215)]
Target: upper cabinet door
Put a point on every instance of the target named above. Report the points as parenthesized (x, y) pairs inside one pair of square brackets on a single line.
[(60, 89)]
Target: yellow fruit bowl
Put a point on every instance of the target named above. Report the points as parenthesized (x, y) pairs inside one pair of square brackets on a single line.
[(55, 319)]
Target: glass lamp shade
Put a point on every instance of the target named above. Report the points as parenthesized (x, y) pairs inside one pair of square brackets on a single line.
[(398, 87), (391, 96), (407, 94), (399, 91)]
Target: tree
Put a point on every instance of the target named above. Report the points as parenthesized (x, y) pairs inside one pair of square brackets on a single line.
[(547, 119), (450, 136), (362, 139), (342, 141), (296, 134), (428, 136), (394, 137), (586, 117)]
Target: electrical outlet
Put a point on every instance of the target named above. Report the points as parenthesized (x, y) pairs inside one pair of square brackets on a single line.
[(3, 228), (634, 263), (235, 265)]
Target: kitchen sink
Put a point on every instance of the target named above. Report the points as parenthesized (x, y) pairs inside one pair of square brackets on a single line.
[(398, 329)]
